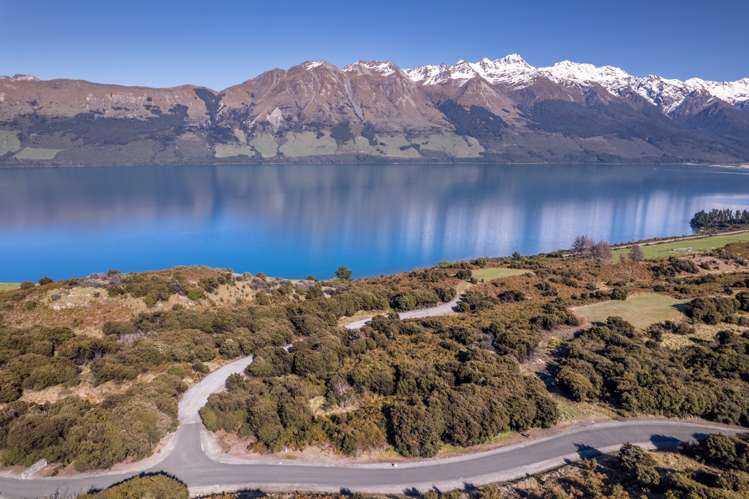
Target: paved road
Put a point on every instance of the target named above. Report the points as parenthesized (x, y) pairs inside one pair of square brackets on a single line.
[(191, 457), (189, 462), (441, 309), (197, 395)]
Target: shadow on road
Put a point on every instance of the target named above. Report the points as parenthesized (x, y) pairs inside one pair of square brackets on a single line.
[(587, 452), (665, 442), (250, 494)]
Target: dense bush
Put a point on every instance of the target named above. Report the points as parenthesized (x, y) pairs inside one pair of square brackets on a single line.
[(639, 465), (90, 436), (508, 340), (473, 301), (356, 431), (723, 451), (151, 288), (673, 266), (712, 310), (413, 430), (614, 364), (118, 328), (431, 391), (510, 296)]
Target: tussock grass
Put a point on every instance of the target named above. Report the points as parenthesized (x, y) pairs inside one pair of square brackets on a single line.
[(493, 273)]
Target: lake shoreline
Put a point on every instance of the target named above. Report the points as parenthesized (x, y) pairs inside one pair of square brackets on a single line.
[(299, 219), (348, 162)]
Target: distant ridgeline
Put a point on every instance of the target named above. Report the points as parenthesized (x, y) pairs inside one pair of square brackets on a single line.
[(719, 219)]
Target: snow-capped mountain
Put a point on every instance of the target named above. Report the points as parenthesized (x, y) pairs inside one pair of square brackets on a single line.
[(509, 70), (382, 68), (500, 110), (513, 71)]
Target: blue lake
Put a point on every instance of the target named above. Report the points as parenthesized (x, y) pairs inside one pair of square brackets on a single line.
[(298, 220)]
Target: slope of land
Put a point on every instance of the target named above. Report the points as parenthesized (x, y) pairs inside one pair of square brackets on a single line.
[(501, 110), (93, 369)]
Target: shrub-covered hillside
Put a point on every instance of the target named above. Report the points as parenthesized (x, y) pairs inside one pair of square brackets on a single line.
[(92, 369)]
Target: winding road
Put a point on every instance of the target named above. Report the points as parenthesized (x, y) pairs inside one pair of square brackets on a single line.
[(436, 311), (192, 456)]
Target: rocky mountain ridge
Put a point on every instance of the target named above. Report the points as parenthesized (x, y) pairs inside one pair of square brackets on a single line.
[(502, 110)]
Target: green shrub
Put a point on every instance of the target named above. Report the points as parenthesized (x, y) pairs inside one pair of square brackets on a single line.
[(155, 486), (639, 465), (55, 372), (118, 328), (638, 375), (10, 386), (723, 451), (712, 310), (464, 274), (575, 385), (107, 369), (413, 431), (343, 273)]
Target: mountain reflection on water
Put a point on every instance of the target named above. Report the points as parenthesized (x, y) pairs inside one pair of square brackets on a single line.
[(297, 220)]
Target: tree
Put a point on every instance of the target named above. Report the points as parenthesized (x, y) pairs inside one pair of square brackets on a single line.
[(639, 464), (343, 273), (719, 219), (413, 431), (582, 245), (575, 384), (636, 254), (601, 250)]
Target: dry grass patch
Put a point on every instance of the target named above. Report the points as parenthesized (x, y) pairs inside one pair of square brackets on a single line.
[(493, 273), (640, 309), (703, 332), (570, 411), (83, 309), (685, 246), (9, 286), (737, 250)]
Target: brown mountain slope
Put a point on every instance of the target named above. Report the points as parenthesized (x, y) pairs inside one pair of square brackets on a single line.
[(366, 111)]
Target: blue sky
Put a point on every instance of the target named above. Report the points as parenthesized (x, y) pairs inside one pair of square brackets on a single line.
[(218, 44)]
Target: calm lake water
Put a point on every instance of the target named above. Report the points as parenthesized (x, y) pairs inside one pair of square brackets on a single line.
[(298, 220)]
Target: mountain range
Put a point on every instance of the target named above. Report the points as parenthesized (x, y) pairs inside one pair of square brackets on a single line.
[(501, 110)]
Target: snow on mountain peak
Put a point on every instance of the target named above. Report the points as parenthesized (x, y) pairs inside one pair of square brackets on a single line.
[(384, 68), (19, 77), (431, 74), (512, 70), (314, 64), (512, 59), (609, 77)]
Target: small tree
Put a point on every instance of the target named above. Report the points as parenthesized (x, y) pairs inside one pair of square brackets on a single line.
[(343, 273), (601, 250), (636, 254), (582, 245), (639, 465)]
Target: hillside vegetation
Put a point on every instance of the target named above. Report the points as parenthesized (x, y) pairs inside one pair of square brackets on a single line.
[(92, 368)]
